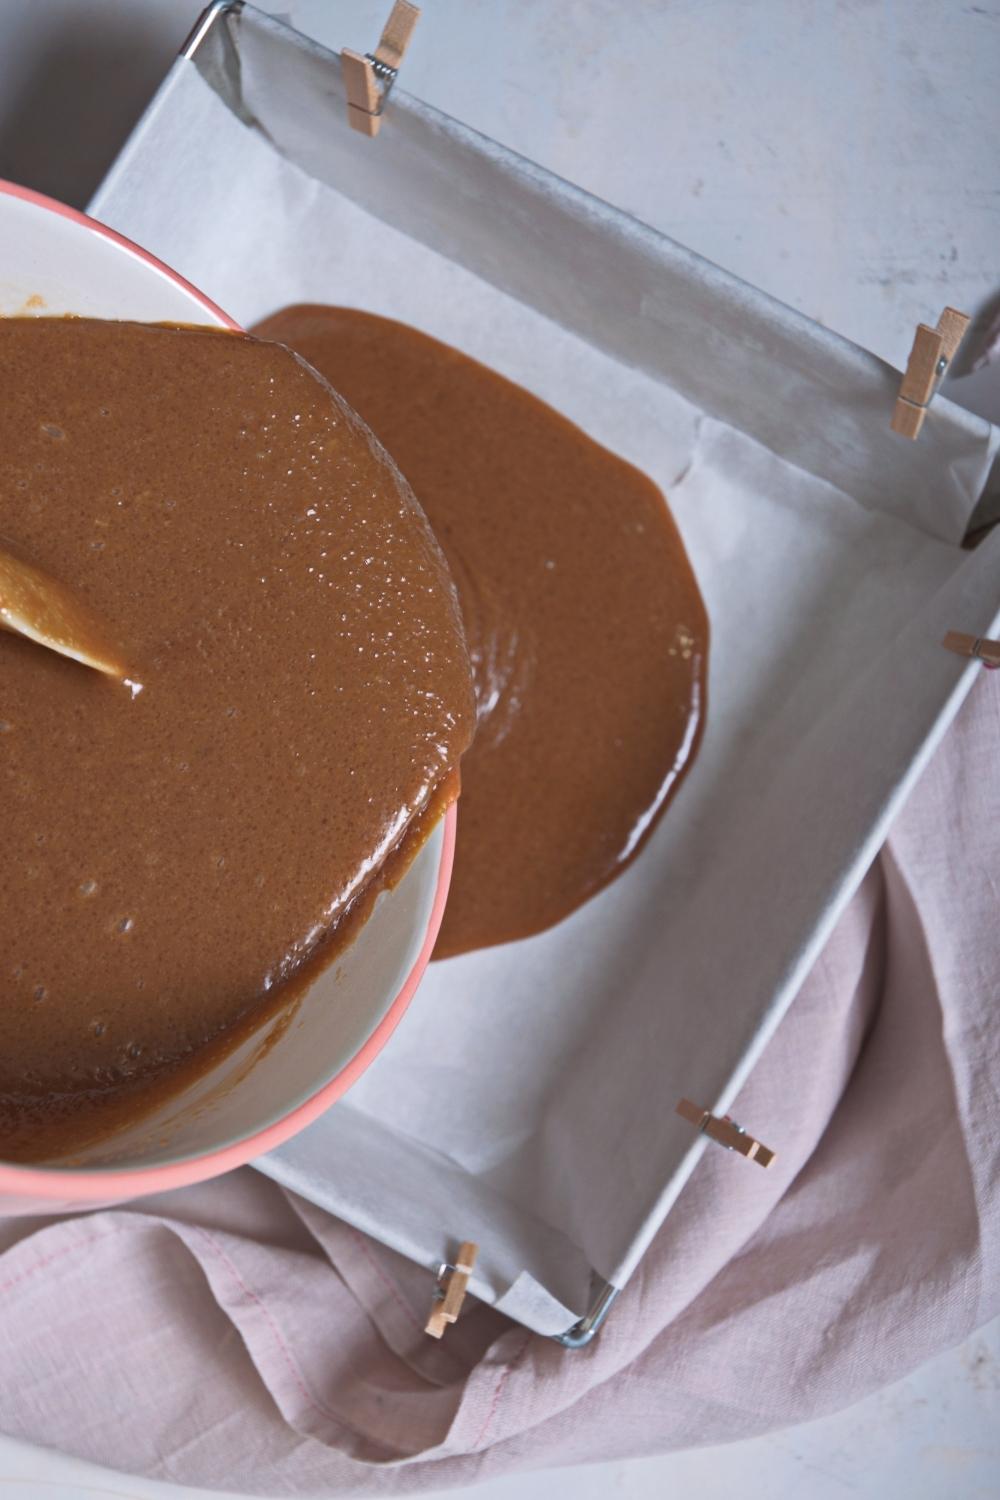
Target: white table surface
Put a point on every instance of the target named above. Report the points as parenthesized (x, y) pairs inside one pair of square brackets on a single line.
[(840, 154)]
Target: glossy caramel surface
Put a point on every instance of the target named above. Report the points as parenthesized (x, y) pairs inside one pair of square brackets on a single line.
[(176, 848)]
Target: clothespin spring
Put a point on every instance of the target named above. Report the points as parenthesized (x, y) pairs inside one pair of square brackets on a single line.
[(369, 77), (725, 1132), (984, 650), (932, 353), (450, 1289)]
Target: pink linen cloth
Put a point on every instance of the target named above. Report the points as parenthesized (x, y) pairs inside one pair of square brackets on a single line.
[(233, 1336)]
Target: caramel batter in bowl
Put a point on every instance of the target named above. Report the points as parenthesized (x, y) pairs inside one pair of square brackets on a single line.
[(588, 633), (177, 850)]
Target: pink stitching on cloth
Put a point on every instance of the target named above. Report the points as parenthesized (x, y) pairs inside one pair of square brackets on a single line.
[(47, 1260), (497, 1393), (279, 1337), (394, 1291)]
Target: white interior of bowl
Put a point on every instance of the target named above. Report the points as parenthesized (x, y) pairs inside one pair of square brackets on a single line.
[(52, 265)]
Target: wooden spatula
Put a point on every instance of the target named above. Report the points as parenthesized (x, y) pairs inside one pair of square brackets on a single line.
[(34, 604)]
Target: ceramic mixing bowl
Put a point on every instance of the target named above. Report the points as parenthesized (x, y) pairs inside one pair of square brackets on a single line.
[(54, 261)]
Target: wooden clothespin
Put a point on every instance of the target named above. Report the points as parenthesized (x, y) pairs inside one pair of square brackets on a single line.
[(933, 351), (369, 78), (987, 651), (452, 1283), (726, 1132)]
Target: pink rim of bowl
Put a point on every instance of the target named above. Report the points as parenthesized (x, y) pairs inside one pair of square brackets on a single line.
[(97, 1185)]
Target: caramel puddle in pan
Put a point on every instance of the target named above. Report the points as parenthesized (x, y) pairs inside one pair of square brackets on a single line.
[(588, 634)]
